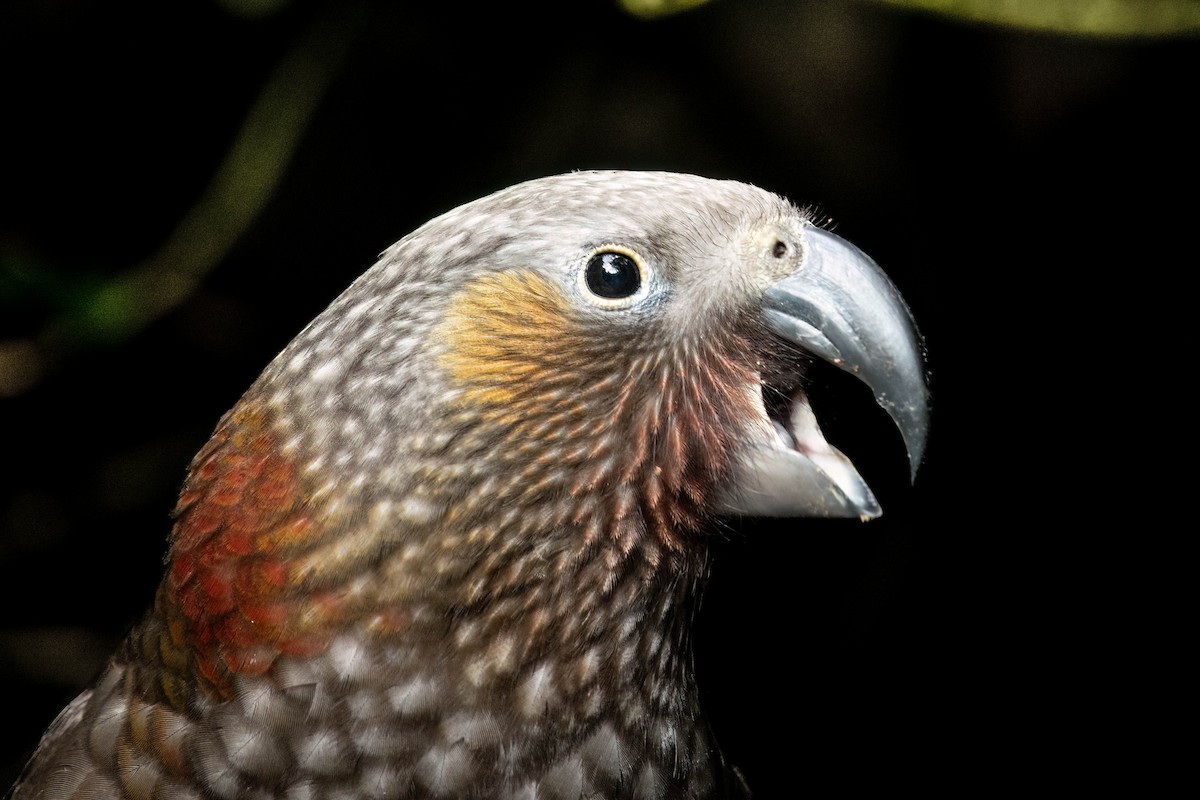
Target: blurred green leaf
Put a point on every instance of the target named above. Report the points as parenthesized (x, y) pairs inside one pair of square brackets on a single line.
[(658, 8), (25, 281)]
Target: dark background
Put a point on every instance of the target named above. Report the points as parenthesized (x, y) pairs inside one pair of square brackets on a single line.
[(1017, 185)]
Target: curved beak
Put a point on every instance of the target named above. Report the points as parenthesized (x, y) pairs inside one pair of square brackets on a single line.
[(841, 307)]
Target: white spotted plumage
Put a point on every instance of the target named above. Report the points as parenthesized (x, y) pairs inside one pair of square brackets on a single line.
[(450, 542)]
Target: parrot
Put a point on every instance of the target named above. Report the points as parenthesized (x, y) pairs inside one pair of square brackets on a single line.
[(451, 542)]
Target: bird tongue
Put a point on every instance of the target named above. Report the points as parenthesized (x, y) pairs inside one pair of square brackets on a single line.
[(798, 473), (803, 435)]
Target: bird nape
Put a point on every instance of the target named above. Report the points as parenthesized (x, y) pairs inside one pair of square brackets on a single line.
[(449, 543)]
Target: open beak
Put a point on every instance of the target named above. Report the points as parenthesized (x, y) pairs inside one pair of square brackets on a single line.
[(840, 307)]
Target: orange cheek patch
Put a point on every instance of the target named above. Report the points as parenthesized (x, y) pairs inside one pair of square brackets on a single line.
[(624, 417), (498, 332)]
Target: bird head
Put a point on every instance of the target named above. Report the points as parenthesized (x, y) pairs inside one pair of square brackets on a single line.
[(531, 409)]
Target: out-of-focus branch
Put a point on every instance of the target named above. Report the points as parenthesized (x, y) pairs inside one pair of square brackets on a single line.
[(1078, 17), (234, 198)]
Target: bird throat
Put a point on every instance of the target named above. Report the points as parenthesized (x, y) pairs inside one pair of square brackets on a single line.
[(261, 573)]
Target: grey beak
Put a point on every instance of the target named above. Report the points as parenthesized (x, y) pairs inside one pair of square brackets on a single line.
[(839, 306)]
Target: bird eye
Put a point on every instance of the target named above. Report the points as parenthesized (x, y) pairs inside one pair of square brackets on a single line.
[(613, 277)]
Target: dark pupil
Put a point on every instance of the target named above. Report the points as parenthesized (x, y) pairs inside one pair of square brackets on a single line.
[(613, 275)]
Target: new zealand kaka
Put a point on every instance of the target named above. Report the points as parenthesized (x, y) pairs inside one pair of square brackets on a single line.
[(449, 544)]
